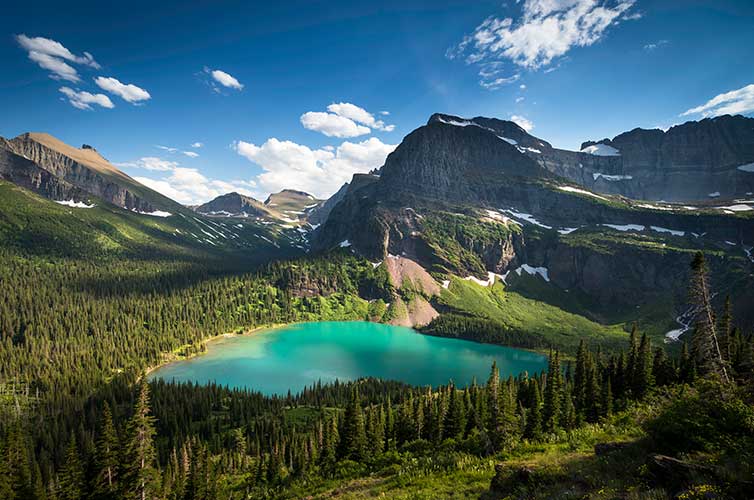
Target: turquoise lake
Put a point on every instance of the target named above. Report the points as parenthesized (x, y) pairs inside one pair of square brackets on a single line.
[(293, 357)]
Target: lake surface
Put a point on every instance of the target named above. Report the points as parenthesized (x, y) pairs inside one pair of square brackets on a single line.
[(293, 357)]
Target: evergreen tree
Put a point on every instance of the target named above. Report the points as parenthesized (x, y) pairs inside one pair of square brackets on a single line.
[(642, 373), (71, 477), (354, 433), (553, 395), (107, 458), (455, 419), (706, 343), (141, 478), (534, 414)]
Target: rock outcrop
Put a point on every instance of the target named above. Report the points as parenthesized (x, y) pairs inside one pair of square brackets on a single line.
[(234, 205), (59, 171)]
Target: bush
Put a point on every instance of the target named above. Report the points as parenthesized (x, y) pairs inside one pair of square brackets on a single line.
[(709, 418)]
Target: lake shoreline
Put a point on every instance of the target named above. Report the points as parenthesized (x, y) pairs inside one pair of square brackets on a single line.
[(172, 357)]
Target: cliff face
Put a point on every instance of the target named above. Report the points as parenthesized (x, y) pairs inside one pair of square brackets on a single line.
[(454, 167), (54, 169)]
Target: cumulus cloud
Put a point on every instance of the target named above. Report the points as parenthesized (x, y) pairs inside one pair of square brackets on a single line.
[(332, 125), (546, 30), (321, 172), (522, 122), (185, 185), (359, 115), (224, 79), (166, 148), (150, 163), (83, 100), (729, 103), (128, 92), (52, 56), (191, 154), (197, 145)]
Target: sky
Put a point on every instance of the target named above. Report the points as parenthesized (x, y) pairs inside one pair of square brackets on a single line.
[(197, 99)]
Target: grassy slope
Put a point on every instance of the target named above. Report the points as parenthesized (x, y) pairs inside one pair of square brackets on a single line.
[(518, 312)]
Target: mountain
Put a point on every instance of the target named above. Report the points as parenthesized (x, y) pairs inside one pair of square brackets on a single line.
[(291, 203), (471, 197), (32, 159), (695, 161), (234, 205), (85, 207)]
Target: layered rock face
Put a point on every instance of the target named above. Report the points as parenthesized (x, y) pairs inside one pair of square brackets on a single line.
[(695, 161), (58, 171), (452, 165)]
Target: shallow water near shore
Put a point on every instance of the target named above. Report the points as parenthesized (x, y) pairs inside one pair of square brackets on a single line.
[(295, 356)]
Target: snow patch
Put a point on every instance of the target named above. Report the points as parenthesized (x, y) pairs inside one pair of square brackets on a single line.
[(730, 243), (490, 279), (344, 244), (156, 213), (445, 284), (659, 207), (601, 150), (375, 265), (509, 141), (665, 230), (749, 167), (610, 177), (74, 204), (572, 189), (625, 227), (526, 217), (739, 207), (716, 194), (542, 271), (567, 230)]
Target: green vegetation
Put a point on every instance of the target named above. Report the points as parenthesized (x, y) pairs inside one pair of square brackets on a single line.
[(494, 314)]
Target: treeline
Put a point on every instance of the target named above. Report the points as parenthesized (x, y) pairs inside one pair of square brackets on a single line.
[(482, 330)]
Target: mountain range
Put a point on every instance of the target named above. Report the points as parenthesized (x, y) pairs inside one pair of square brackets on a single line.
[(605, 232)]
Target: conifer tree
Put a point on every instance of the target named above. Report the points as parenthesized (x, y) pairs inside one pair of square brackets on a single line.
[(642, 372), (107, 457), (534, 415), (455, 419), (706, 343), (354, 433), (553, 396), (71, 477), (141, 478)]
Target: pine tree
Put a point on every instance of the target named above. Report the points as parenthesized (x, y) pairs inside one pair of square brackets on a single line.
[(141, 478), (724, 330), (607, 398), (534, 416), (706, 343), (493, 420), (642, 373), (455, 419), (107, 458), (579, 378), (71, 477), (553, 388), (354, 433)]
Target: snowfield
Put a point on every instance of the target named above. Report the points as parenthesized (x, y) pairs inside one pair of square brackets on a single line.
[(610, 177), (74, 204), (571, 189), (601, 150)]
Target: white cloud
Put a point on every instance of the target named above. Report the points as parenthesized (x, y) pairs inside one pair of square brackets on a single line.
[(55, 49), (82, 100), (546, 30), (191, 154), (729, 103), (522, 122), (167, 148), (522, 86), (190, 187), (60, 69), (320, 172), (385, 113), (197, 145), (332, 125), (52, 56), (128, 92), (519, 99), (655, 45), (225, 79), (185, 185), (150, 163), (359, 115), (496, 83)]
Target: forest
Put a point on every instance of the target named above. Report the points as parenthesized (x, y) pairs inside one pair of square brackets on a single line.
[(80, 421)]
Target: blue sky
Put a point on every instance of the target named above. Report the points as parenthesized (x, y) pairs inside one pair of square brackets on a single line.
[(294, 94)]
